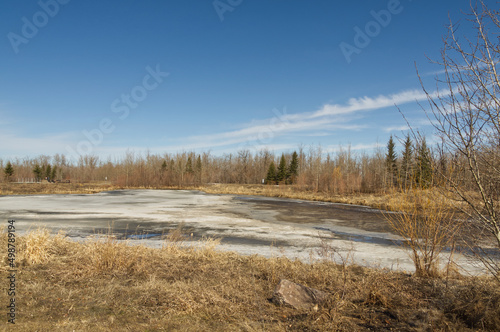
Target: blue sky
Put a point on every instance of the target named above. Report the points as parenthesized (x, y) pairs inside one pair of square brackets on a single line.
[(102, 77)]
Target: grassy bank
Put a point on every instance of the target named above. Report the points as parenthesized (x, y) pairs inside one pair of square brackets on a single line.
[(46, 188), (384, 201), (107, 285)]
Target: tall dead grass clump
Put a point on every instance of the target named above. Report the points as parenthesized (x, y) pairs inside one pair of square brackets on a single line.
[(37, 246), (427, 225), (106, 255), (176, 236)]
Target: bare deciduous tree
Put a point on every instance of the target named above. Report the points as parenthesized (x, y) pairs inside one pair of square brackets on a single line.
[(466, 114)]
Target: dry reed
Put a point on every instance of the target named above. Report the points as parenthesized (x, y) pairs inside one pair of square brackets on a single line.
[(104, 284)]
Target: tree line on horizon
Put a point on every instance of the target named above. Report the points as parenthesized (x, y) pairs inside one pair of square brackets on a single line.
[(341, 172)]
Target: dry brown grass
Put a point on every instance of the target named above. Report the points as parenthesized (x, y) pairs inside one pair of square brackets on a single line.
[(103, 284), (54, 188), (390, 200)]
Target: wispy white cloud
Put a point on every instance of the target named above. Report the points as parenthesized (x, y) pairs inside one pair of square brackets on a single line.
[(433, 73), (328, 118), (421, 122), (260, 133), (396, 128), (461, 67), (355, 147), (265, 133), (318, 134), (20, 145), (368, 103)]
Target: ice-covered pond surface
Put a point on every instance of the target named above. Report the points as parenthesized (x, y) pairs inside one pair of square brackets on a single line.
[(246, 224)]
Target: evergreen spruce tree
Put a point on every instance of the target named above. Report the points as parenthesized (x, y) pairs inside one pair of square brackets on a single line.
[(407, 163), (391, 162), (48, 171), (163, 170), (37, 171), (198, 167), (424, 167), (8, 171), (189, 166), (271, 174), (293, 169), (282, 171), (198, 164), (53, 173)]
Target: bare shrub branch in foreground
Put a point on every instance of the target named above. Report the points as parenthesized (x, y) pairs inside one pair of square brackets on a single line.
[(427, 227), (465, 112)]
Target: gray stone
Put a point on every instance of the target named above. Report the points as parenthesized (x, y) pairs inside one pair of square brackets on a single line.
[(297, 296)]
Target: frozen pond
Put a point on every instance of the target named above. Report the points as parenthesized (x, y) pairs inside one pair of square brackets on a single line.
[(246, 224)]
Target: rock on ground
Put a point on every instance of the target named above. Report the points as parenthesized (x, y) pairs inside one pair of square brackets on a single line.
[(297, 296)]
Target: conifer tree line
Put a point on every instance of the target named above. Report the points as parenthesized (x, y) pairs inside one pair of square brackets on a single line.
[(340, 172), (416, 166), (284, 174)]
